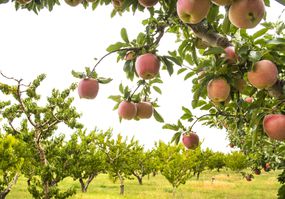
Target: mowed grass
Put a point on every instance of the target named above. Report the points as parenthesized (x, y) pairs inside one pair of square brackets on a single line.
[(264, 186)]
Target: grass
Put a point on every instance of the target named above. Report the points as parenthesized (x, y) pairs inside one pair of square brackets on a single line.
[(224, 187)]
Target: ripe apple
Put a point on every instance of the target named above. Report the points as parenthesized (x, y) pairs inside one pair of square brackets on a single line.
[(73, 3), (246, 13), (193, 11), (222, 2), (264, 74), (148, 3), (191, 140), (266, 167), (218, 90), (130, 55), (127, 110), (231, 145), (24, 2), (249, 177), (248, 99), (231, 56), (257, 171), (147, 66), (274, 126), (144, 110), (88, 88)]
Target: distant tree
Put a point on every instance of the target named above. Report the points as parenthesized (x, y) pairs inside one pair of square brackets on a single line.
[(85, 160), (199, 159), (217, 161), (10, 163), (236, 161)]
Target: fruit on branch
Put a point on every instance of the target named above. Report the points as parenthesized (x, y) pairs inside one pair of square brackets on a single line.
[(88, 88), (266, 167), (127, 110), (193, 11), (248, 177), (130, 55), (73, 3), (24, 2), (274, 126), (190, 140), (147, 66), (144, 110), (230, 54), (264, 74), (218, 90), (248, 99), (231, 145), (222, 2), (117, 3), (246, 13), (148, 3)]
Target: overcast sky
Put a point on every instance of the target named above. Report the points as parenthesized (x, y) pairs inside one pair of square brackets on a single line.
[(69, 39)]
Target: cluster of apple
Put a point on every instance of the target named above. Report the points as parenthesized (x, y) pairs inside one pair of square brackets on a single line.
[(242, 13), (129, 110)]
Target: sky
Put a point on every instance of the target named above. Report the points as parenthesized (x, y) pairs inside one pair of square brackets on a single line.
[(69, 38)]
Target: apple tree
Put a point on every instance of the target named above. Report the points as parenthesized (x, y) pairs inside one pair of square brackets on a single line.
[(232, 54), (216, 161)]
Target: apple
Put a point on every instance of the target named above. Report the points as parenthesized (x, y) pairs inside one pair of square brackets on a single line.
[(147, 66), (88, 88), (249, 177), (144, 110), (190, 140), (274, 126), (264, 74), (73, 3), (266, 167), (130, 55), (257, 171), (231, 145), (24, 2), (231, 56), (148, 3), (192, 11), (218, 90), (246, 13), (248, 99), (127, 110), (222, 2)]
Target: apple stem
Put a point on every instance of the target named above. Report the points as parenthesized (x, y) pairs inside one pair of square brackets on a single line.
[(139, 84)]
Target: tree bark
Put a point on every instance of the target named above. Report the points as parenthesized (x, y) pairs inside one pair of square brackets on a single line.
[(198, 176), (84, 186), (122, 186)]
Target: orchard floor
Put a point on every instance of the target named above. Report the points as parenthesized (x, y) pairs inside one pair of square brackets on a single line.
[(264, 186)]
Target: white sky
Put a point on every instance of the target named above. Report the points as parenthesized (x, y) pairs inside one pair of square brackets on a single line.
[(69, 39)]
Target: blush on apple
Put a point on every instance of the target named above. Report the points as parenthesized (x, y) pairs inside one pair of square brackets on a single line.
[(218, 90), (148, 3), (147, 66), (264, 74), (24, 2), (274, 126), (88, 88), (190, 140), (193, 11), (246, 13), (248, 99), (127, 110), (144, 110)]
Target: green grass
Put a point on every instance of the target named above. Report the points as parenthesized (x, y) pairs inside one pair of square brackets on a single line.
[(224, 187)]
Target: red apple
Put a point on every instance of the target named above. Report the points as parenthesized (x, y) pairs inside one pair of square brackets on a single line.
[(231, 56), (246, 13), (218, 90), (144, 110), (191, 140), (222, 2), (274, 126), (231, 145), (148, 3), (193, 11), (257, 171), (264, 74), (147, 66), (248, 99), (127, 110), (73, 3), (88, 88)]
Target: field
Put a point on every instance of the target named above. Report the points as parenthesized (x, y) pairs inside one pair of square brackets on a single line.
[(233, 186)]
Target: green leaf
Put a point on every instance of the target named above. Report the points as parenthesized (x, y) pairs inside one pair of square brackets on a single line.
[(176, 138), (168, 64), (79, 75), (213, 51), (157, 116), (175, 60), (171, 127), (260, 33), (181, 70), (226, 24), (124, 35), (116, 98), (116, 46), (157, 89), (121, 88), (103, 80)]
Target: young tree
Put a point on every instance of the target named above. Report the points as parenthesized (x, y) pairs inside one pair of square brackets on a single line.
[(236, 161), (85, 160), (36, 128), (216, 161)]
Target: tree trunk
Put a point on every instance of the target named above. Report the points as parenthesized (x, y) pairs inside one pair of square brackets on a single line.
[(140, 180), (198, 175), (122, 186), (9, 187), (174, 192), (29, 182), (84, 186)]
